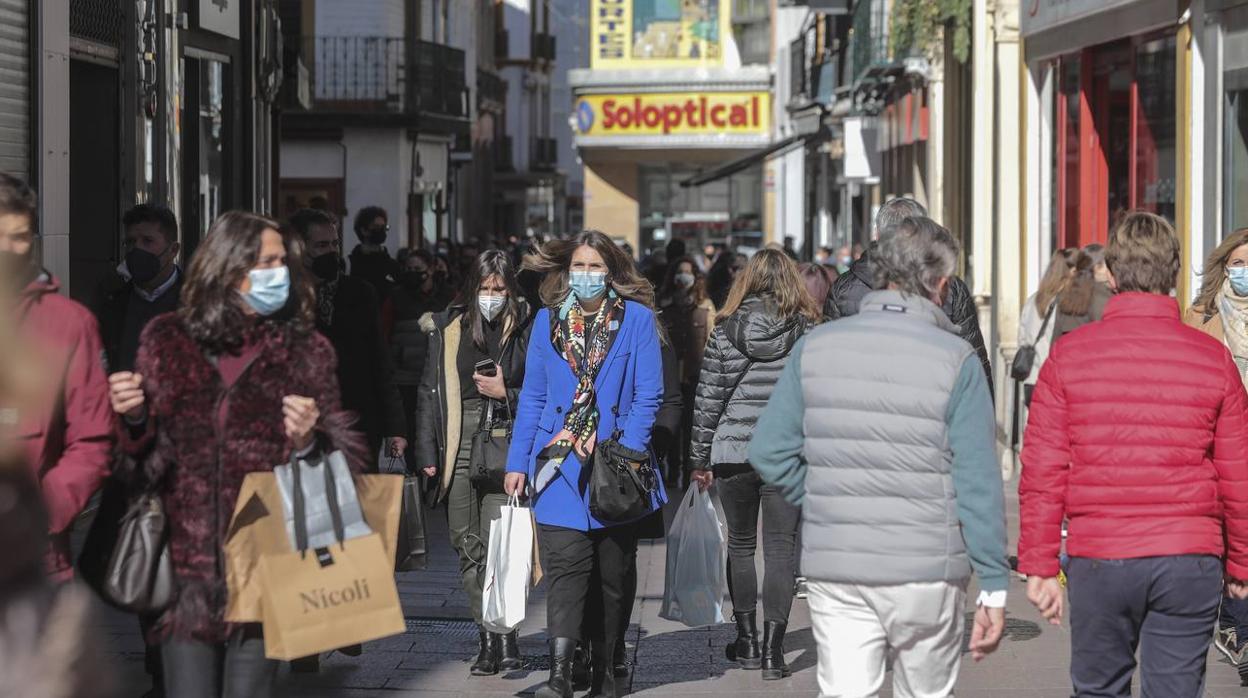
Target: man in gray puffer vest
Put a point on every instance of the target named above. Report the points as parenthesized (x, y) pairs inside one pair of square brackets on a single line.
[(881, 427)]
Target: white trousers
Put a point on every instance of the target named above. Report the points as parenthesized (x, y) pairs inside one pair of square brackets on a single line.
[(918, 626)]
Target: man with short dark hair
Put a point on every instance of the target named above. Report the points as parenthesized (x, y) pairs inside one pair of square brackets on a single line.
[(348, 314), (856, 282), (1136, 438), (66, 433), (153, 282), (370, 260)]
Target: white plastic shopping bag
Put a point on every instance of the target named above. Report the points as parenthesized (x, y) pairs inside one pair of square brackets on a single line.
[(697, 562), (508, 566)]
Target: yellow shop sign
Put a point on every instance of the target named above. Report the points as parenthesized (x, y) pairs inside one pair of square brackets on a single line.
[(674, 114)]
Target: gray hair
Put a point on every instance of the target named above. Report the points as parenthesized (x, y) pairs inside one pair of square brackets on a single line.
[(893, 212), (918, 254)]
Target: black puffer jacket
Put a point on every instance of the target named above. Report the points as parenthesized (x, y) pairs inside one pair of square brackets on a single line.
[(743, 361), (959, 305)]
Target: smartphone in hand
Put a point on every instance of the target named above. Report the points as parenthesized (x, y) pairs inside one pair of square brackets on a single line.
[(486, 367)]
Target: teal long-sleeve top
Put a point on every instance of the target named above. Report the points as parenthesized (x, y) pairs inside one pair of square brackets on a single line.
[(776, 453)]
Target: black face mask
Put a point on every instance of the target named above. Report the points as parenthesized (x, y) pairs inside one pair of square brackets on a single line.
[(143, 265), (374, 236), (414, 281), (439, 278), (326, 267)]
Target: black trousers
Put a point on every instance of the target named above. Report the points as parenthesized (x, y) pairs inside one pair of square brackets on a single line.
[(1165, 607), (744, 495), (592, 582), (234, 669)]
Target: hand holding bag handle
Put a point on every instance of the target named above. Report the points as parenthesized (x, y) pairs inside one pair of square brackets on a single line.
[(298, 506)]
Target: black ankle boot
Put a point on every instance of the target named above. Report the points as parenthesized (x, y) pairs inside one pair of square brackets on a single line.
[(509, 658), (745, 650), (603, 683), (580, 667), (486, 663), (560, 683), (774, 667), (619, 663)]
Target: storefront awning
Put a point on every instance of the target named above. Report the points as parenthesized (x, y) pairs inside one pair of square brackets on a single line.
[(745, 162)]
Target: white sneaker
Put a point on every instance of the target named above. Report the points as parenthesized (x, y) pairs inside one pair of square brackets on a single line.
[(1226, 642)]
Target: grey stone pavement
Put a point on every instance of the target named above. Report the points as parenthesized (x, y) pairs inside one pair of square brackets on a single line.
[(431, 659)]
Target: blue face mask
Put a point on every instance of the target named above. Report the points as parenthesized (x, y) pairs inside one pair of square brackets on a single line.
[(1239, 280), (588, 285), (269, 289)]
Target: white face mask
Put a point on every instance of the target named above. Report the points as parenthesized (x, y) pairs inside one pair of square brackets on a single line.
[(490, 306), (685, 280)]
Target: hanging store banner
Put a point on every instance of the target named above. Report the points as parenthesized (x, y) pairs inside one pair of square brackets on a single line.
[(659, 33), (678, 114)]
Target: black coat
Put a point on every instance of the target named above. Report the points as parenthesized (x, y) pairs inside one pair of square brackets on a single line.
[(365, 373), (743, 361), (439, 423), (409, 342), (850, 288), (379, 269), (123, 315)]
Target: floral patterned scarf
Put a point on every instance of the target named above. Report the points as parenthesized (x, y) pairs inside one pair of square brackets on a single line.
[(585, 357)]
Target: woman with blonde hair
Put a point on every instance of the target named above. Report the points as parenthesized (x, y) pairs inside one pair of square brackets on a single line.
[(1221, 311), (767, 311), (1033, 330)]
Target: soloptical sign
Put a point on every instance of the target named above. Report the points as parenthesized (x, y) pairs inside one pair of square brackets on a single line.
[(676, 114), (658, 33)]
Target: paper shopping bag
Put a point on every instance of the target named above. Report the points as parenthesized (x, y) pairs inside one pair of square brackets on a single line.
[(508, 568), (330, 597), (258, 528)]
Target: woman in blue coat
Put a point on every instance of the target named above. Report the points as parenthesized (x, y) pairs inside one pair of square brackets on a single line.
[(593, 374)]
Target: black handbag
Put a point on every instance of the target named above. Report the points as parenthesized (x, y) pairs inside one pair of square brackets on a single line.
[(487, 464), (1025, 357), (622, 483)]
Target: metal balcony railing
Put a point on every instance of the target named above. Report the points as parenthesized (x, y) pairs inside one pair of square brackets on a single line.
[(372, 74), (490, 87), (871, 47)]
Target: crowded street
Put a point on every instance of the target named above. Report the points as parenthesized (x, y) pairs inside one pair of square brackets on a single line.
[(596, 348)]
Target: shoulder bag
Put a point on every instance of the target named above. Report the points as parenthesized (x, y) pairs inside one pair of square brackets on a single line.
[(139, 574), (1025, 357), (622, 483), (487, 464)]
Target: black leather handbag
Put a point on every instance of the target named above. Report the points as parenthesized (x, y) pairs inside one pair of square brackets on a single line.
[(413, 543), (1025, 357), (487, 464), (622, 483)]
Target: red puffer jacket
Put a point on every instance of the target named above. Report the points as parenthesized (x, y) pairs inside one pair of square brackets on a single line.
[(1137, 437)]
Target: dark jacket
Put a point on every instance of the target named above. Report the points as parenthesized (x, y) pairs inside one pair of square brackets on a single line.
[(850, 287), (409, 343), (667, 421), (379, 269), (66, 431), (439, 408), (200, 440), (365, 373), (743, 362), (124, 314), (1064, 323)]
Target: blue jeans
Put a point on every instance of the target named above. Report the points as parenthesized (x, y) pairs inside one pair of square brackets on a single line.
[(1235, 615), (1164, 606)]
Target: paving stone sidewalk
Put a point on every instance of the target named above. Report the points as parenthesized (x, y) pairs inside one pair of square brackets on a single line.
[(431, 659)]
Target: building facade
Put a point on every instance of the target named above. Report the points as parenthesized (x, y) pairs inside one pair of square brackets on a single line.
[(109, 103), (378, 103), (669, 95)]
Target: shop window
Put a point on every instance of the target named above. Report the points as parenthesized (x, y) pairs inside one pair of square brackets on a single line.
[(1155, 142), (1235, 178), (1114, 136)]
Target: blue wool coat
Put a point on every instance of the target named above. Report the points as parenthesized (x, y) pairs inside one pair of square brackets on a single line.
[(629, 389)]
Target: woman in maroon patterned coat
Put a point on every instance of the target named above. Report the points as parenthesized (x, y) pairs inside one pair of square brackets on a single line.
[(231, 383)]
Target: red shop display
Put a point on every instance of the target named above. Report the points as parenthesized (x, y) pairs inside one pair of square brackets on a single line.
[(1114, 136)]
